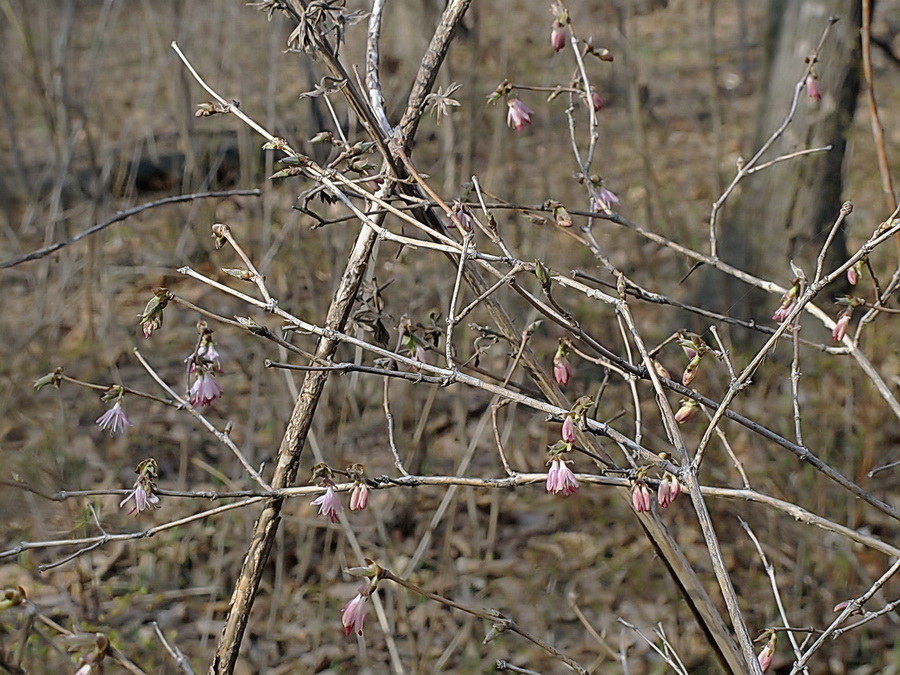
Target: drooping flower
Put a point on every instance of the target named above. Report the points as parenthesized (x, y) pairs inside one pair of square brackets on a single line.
[(840, 327), (788, 302), (205, 389), (359, 497), (329, 504), (562, 367), (767, 655), (152, 317), (604, 200), (568, 429), (518, 115), (560, 478), (557, 36), (144, 486), (354, 614), (114, 420), (690, 372), (641, 497), (598, 104), (686, 412), (669, 489), (813, 90)]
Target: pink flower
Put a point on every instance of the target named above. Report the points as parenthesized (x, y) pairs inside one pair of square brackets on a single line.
[(560, 478), (669, 489), (557, 36), (691, 371), (353, 614), (568, 429), (687, 410), (767, 655), (518, 115), (144, 499), (329, 505), (840, 328), (782, 312), (813, 90), (205, 389), (598, 104), (640, 496), (852, 276), (562, 370), (604, 200), (359, 498), (114, 420)]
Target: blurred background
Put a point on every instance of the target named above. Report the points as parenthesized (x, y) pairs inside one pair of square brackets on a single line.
[(98, 116)]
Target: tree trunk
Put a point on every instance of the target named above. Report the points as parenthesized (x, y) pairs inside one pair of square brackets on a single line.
[(783, 213)]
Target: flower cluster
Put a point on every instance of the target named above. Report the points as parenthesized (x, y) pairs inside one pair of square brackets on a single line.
[(203, 363)]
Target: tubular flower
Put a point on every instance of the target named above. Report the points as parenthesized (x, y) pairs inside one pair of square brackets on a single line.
[(329, 504), (114, 420), (354, 614), (359, 498), (843, 322), (686, 412), (767, 655), (518, 116), (568, 429), (813, 90), (604, 201), (669, 489), (142, 493), (557, 36), (205, 389), (640, 496), (560, 478), (562, 367)]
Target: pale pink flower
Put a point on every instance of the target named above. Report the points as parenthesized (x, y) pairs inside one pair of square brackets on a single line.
[(560, 478), (204, 390), (557, 36), (686, 412), (767, 655), (144, 499), (782, 312), (354, 614), (329, 504), (691, 371), (598, 104), (852, 276), (669, 489), (518, 115), (604, 200), (568, 429), (840, 328), (640, 496), (841, 606), (86, 669), (813, 90), (562, 370), (359, 498), (114, 420)]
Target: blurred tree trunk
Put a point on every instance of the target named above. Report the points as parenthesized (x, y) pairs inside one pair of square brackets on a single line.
[(783, 213)]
